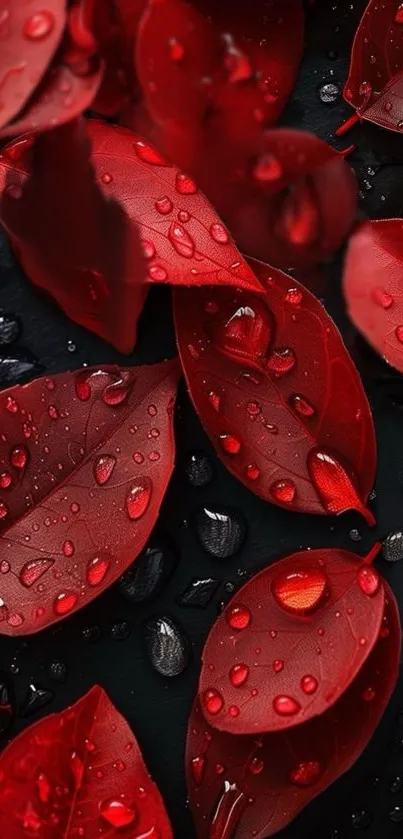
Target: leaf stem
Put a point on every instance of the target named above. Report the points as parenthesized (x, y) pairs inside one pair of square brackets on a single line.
[(373, 553), (345, 126)]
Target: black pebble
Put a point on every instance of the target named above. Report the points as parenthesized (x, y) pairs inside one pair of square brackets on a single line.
[(18, 366), (198, 469), (221, 530), (148, 575), (10, 329), (7, 704), (167, 646), (36, 698), (57, 671), (198, 593), (120, 630)]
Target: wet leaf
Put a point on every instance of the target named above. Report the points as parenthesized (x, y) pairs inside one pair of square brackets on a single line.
[(291, 641), (257, 784), (85, 459), (373, 286), (52, 783), (278, 394)]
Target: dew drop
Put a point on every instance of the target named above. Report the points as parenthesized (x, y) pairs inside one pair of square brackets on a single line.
[(306, 774), (213, 701), (300, 592), (219, 233), (11, 405), (103, 468), (198, 769), (138, 499), (77, 769), (19, 457), (164, 206), (368, 580), (368, 694), (294, 296), (309, 684), (65, 602), (382, 298), (97, 570), (238, 675), (157, 273), (278, 665), (115, 393), (83, 387), (239, 617), (301, 405), (252, 472), (181, 240), (399, 334), (230, 444), (43, 788), (286, 706), (68, 548), (53, 412), (215, 400), (39, 26), (281, 361), (256, 766), (148, 154), (3, 510), (148, 249), (5, 480), (33, 570), (245, 332), (116, 813), (268, 169), (283, 491), (399, 14), (185, 185)]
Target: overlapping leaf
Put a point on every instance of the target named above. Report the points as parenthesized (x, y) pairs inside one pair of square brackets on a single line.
[(314, 618), (373, 286), (375, 82), (79, 772), (256, 784), (278, 394), (85, 459)]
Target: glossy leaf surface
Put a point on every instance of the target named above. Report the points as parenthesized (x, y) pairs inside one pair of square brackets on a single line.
[(278, 394), (85, 460), (255, 785), (373, 286), (51, 782), (310, 621), (30, 33)]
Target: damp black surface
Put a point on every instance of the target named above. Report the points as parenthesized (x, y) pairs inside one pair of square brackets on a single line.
[(105, 643)]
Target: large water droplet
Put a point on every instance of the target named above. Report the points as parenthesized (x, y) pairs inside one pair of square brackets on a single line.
[(35, 699), (138, 498), (167, 646), (281, 361), (300, 592), (117, 813), (368, 580), (238, 617), (283, 491), (65, 602), (185, 185), (230, 444), (103, 468), (39, 26), (164, 206), (245, 332), (148, 574), (309, 684), (33, 570), (219, 233), (306, 773), (213, 701), (148, 154), (238, 675), (221, 530), (286, 706), (229, 811), (97, 569), (181, 240), (198, 593), (115, 393)]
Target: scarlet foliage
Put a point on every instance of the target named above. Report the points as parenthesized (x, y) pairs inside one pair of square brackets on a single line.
[(257, 783), (375, 82), (85, 461), (276, 390), (51, 783), (373, 286)]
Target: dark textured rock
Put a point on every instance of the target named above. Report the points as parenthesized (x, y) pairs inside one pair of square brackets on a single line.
[(7, 704), (198, 469), (17, 366), (167, 646), (199, 592), (148, 575), (36, 698), (393, 546), (10, 329), (221, 530)]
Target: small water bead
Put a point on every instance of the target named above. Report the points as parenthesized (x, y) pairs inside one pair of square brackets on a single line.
[(230, 444), (256, 766), (301, 405), (103, 468), (183, 216), (382, 298), (215, 400), (399, 14), (53, 412), (300, 592), (157, 273), (3, 510), (4, 566), (181, 240), (283, 491), (368, 694), (268, 169), (252, 472), (368, 580), (306, 773), (238, 675), (286, 706), (71, 347), (328, 93), (239, 617), (5, 480), (97, 570), (185, 185), (278, 665), (68, 548), (213, 701), (148, 154), (294, 296), (219, 233), (65, 602), (396, 784), (148, 249), (138, 499), (198, 768), (309, 684), (43, 788), (116, 813), (83, 387), (399, 334), (39, 26), (281, 361), (253, 409), (11, 405)]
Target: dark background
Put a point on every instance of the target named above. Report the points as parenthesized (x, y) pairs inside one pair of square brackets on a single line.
[(104, 643)]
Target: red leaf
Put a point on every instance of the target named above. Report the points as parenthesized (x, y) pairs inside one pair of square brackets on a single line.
[(256, 785), (375, 83), (29, 37), (85, 460), (278, 394), (373, 286), (80, 770), (291, 641)]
